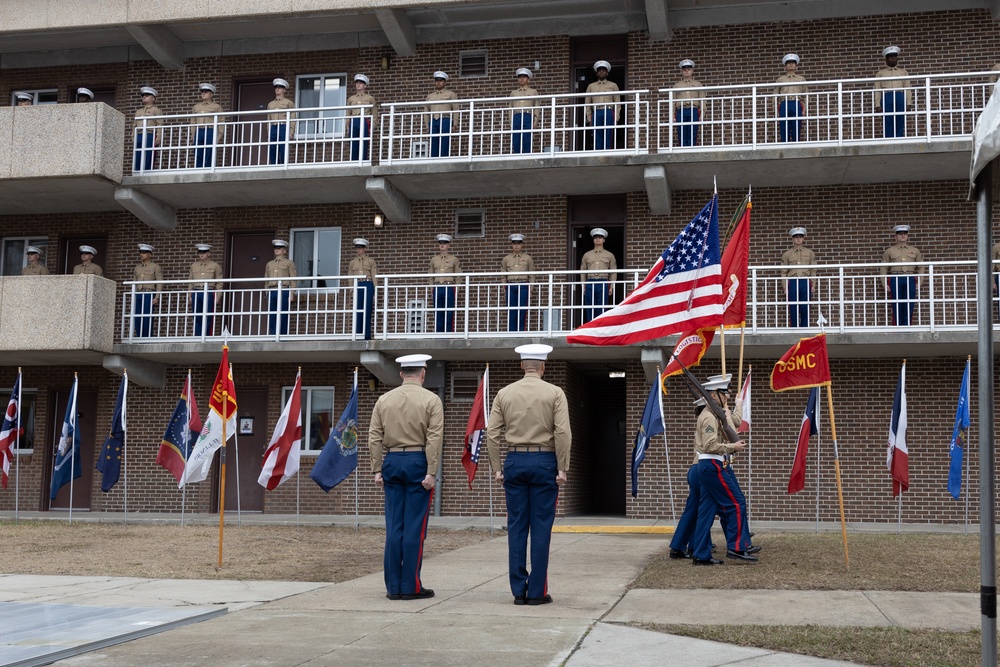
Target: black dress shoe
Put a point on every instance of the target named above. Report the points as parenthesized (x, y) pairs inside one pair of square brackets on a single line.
[(422, 593), (751, 535), (537, 601), (394, 596), (520, 600), (707, 561), (754, 549), (741, 555), (677, 554)]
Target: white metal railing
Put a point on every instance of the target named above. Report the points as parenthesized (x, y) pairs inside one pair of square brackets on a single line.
[(851, 297), (937, 107), (320, 136)]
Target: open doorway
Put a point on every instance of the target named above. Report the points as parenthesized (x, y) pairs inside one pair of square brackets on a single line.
[(584, 52), (586, 213)]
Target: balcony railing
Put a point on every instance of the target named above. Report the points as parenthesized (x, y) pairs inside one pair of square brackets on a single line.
[(851, 297)]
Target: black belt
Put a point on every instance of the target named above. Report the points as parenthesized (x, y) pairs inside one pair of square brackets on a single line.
[(531, 448), (407, 448)]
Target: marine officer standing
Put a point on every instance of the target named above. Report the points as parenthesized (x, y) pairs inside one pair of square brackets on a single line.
[(441, 109), (363, 267), (360, 127), (146, 295), (24, 99), (790, 99), (34, 267), (602, 107), (799, 290), (892, 98), (280, 126), (84, 95), (444, 286), (203, 132), (206, 275), (86, 265), (522, 105), (279, 267), (687, 104), (147, 136), (518, 286), (600, 279), (903, 281)]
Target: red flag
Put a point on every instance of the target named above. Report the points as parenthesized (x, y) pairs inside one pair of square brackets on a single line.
[(745, 401), (11, 429), (735, 265), (475, 429), (221, 417), (690, 348), (281, 460), (810, 427), (805, 365)]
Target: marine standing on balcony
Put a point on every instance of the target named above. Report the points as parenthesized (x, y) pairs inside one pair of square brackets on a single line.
[(206, 294), (444, 286), (280, 127), (204, 135), (892, 98), (518, 287), (799, 289), (522, 105), (34, 267), (360, 127), (23, 99), (440, 112), (687, 104), (790, 98), (602, 107), (146, 135), (363, 267), (84, 95), (996, 275), (86, 265), (600, 281), (902, 282), (146, 296), (279, 267)]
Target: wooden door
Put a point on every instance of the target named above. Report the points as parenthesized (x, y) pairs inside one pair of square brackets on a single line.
[(245, 452), (247, 303), (249, 140), (70, 253), (585, 213), (86, 415)]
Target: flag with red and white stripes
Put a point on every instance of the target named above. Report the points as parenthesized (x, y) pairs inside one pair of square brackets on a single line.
[(10, 428), (898, 455)]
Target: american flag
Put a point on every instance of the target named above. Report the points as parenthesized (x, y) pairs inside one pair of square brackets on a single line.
[(8, 432), (681, 293)]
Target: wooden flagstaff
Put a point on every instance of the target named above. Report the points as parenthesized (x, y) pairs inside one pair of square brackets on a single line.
[(222, 472), (836, 469)]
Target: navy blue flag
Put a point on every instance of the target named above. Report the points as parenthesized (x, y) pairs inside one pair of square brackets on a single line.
[(109, 463), (652, 425), (339, 457), (68, 452), (959, 436)]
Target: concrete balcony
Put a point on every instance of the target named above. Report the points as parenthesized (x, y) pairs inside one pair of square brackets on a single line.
[(63, 158), (48, 320)]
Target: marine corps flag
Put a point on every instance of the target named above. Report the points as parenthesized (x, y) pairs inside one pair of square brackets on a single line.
[(222, 402), (688, 351), (805, 365), (735, 265)]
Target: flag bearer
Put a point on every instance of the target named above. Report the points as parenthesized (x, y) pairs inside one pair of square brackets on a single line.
[(363, 266), (444, 286), (518, 286), (206, 290), (903, 279), (533, 417), (799, 290), (680, 545), (86, 265), (408, 425), (600, 281), (34, 267), (146, 296), (279, 267)]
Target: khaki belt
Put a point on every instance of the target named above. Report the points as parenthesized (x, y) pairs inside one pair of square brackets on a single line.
[(531, 448), (407, 448)]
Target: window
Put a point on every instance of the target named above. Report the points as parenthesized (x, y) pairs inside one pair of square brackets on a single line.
[(321, 90), (471, 64), (316, 252), (47, 96), (464, 385), (470, 222), (317, 415), (28, 400), (14, 259)]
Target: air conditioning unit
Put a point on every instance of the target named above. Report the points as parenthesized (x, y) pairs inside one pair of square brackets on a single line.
[(419, 149), (416, 314)]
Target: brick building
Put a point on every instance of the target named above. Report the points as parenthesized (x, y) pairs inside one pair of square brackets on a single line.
[(68, 178)]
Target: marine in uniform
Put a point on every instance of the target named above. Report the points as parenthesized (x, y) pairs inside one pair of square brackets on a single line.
[(280, 129), (84, 95), (533, 417), (444, 286), (518, 286), (440, 115), (687, 104), (902, 282), (601, 266), (203, 131), (892, 98), (522, 105), (602, 107), (996, 276), (363, 267), (408, 425), (279, 267), (147, 119), (681, 545), (34, 267), (798, 288), (24, 99), (206, 275), (86, 265), (360, 127), (790, 99), (146, 295)]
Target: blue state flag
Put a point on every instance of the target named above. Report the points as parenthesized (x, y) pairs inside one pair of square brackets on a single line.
[(109, 463), (339, 457), (959, 436), (68, 452), (652, 425)]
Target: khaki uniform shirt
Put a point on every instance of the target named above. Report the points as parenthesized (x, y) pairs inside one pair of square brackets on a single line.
[(147, 271), (280, 267), (208, 107), (36, 269), (796, 256), (995, 68), (902, 255), (687, 90), (407, 415), (522, 97), (276, 104), (152, 123), (530, 412), (520, 261), (360, 99), (996, 251), (442, 97), (203, 271), (445, 264), (709, 437), (88, 269), (599, 261), (602, 96), (790, 91), (362, 266), (890, 85)]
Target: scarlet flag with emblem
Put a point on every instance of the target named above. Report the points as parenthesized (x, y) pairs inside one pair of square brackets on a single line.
[(805, 365), (735, 266)]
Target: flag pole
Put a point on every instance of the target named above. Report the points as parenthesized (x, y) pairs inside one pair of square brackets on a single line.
[(836, 468), (186, 441), (72, 445), (899, 504), (486, 419), (222, 458), (17, 443), (739, 387), (236, 443), (965, 463), (819, 457), (357, 517), (125, 448), (666, 448)]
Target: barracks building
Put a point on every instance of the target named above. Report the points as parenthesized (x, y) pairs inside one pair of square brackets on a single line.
[(861, 139)]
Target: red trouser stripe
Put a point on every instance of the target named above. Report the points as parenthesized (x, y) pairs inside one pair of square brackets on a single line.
[(423, 536), (736, 505)]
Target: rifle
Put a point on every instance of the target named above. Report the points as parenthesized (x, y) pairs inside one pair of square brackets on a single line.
[(699, 392)]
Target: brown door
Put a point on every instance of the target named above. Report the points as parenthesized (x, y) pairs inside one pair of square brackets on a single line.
[(585, 213), (249, 140), (584, 52), (70, 252), (245, 453), (249, 254), (86, 415)]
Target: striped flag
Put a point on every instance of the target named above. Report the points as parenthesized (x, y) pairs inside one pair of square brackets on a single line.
[(809, 428), (281, 460), (11, 427), (898, 456), (475, 429)]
